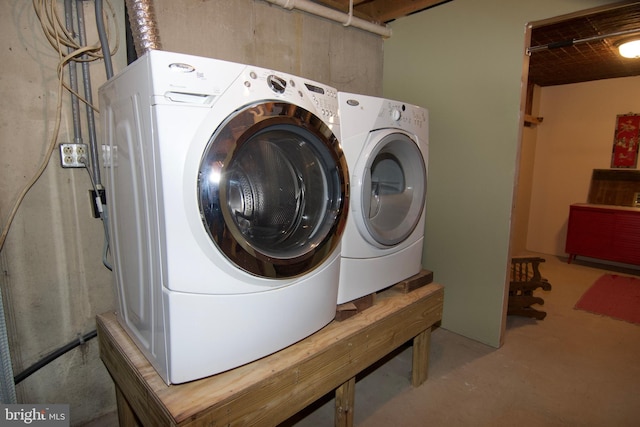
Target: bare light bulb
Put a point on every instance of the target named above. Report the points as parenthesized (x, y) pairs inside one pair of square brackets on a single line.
[(630, 49)]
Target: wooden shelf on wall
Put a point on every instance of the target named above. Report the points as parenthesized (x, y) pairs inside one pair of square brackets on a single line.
[(530, 120)]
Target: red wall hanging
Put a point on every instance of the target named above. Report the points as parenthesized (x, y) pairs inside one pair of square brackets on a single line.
[(625, 141)]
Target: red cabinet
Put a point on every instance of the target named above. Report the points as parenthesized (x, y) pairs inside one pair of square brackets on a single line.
[(605, 232)]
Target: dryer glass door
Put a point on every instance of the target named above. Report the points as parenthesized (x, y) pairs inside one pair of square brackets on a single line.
[(272, 190), (393, 190)]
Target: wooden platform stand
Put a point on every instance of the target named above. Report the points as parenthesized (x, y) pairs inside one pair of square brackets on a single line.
[(271, 390)]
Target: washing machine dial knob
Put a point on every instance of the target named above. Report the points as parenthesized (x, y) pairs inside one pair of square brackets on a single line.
[(395, 114), (277, 84)]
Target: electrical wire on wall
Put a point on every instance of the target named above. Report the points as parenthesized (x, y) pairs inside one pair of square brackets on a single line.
[(61, 36), (60, 39)]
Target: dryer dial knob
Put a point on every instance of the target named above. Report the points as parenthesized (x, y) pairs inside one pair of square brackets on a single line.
[(277, 84), (395, 114)]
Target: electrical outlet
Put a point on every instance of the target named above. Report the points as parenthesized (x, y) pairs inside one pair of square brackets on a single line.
[(74, 155)]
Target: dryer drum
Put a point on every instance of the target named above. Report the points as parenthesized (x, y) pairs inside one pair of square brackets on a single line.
[(393, 191), (271, 190)]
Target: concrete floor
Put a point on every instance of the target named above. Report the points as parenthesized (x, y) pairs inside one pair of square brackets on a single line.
[(571, 369)]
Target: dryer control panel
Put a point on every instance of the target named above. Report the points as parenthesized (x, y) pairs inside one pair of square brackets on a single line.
[(406, 116), (363, 113)]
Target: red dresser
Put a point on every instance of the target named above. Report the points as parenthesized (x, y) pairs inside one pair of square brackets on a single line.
[(604, 231)]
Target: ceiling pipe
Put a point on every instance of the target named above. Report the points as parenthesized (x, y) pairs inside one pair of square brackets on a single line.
[(566, 43), (334, 15)]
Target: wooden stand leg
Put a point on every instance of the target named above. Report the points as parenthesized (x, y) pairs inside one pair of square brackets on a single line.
[(345, 399), (126, 416), (420, 367)]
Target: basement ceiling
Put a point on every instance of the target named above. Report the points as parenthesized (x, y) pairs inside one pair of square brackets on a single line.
[(575, 62), (584, 61), (381, 11)]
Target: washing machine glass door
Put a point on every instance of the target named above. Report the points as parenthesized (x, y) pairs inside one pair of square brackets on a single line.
[(272, 190), (393, 190)]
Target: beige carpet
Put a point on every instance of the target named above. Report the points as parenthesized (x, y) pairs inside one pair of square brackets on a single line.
[(572, 369)]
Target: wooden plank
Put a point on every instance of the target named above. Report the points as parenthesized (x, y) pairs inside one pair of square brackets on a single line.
[(420, 363), (379, 11), (416, 281), (351, 308), (388, 10), (134, 376), (531, 120), (126, 416), (345, 311), (270, 390), (345, 403)]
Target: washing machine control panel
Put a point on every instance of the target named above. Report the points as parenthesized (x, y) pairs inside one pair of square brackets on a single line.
[(323, 98), (277, 84), (326, 102)]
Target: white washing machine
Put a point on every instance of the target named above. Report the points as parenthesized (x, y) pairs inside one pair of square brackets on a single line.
[(227, 194), (386, 146)]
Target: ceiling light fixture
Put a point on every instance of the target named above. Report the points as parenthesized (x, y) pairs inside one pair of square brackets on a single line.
[(630, 48)]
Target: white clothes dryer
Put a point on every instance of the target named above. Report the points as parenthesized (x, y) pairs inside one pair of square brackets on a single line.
[(227, 194), (386, 146)]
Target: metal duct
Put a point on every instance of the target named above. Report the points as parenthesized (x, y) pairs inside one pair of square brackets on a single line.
[(143, 26), (334, 15)]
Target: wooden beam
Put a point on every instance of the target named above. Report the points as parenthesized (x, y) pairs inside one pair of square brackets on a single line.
[(388, 10), (420, 367), (531, 120), (343, 6), (344, 403), (381, 11)]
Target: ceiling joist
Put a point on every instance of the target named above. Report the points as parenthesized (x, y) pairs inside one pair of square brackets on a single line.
[(381, 11)]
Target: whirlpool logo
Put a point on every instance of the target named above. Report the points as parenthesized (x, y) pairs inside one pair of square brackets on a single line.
[(34, 415)]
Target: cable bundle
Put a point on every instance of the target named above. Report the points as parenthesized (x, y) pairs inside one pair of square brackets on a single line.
[(60, 39)]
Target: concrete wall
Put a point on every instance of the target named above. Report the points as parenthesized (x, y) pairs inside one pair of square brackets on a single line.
[(256, 32), (575, 137), (53, 281), (464, 61)]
